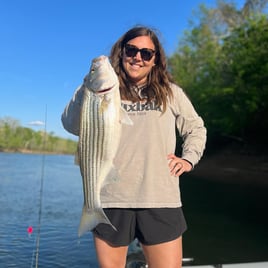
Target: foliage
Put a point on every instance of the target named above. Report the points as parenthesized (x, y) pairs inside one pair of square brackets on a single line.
[(222, 62), (245, 70), (13, 137)]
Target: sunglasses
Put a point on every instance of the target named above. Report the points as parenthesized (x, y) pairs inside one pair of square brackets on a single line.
[(146, 53)]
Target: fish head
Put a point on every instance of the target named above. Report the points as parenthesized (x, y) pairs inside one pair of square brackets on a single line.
[(102, 77)]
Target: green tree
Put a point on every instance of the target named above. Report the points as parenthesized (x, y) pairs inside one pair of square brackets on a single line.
[(222, 64), (13, 137), (245, 70)]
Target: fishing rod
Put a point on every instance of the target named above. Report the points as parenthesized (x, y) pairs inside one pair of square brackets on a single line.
[(40, 196)]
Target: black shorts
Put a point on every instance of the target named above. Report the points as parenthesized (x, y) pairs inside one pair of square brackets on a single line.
[(150, 226)]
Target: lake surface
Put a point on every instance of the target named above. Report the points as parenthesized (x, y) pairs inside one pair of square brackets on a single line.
[(226, 223)]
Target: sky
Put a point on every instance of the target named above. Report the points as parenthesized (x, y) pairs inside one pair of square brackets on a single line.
[(46, 48)]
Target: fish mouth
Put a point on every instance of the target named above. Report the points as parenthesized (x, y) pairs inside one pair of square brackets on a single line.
[(103, 91)]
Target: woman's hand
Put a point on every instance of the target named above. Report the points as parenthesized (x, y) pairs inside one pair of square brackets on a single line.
[(178, 165)]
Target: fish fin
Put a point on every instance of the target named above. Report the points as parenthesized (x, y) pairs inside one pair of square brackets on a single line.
[(91, 218), (76, 157), (124, 118), (104, 104)]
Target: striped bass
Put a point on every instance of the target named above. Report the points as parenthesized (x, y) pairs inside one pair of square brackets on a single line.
[(100, 128)]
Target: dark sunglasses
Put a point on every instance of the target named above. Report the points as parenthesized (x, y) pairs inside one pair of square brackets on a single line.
[(146, 53)]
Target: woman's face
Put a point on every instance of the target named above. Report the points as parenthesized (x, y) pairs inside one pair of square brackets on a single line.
[(138, 65)]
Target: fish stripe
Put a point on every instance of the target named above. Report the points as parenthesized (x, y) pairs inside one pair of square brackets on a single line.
[(93, 133)]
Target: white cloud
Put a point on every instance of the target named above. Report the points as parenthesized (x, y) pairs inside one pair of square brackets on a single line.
[(36, 123)]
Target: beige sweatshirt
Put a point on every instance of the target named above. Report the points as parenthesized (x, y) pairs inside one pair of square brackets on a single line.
[(141, 160)]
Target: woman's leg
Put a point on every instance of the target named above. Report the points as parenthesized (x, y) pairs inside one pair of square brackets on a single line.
[(110, 256), (168, 254)]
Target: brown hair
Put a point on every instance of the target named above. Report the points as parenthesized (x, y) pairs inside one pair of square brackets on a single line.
[(158, 81)]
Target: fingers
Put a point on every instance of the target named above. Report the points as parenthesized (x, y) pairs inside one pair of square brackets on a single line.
[(178, 165), (176, 168)]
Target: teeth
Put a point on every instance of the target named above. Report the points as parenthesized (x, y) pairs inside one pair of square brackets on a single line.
[(135, 66)]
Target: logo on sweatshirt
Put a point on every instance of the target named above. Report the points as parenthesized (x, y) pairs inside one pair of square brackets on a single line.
[(141, 107)]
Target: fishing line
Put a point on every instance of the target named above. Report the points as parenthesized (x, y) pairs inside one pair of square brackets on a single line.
[(40, 196)]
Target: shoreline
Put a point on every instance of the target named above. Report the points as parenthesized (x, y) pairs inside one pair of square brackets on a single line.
[(25, 151)]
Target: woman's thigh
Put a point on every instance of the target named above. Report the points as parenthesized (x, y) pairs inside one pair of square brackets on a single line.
[(168, 254), (110, 256)]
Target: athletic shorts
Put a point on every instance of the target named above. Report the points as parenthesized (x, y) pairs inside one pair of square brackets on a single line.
[(150, 226)]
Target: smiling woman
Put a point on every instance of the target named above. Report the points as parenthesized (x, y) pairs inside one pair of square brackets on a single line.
[(145, 197)]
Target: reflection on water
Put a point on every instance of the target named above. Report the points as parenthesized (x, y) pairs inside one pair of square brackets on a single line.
[(226, 223)]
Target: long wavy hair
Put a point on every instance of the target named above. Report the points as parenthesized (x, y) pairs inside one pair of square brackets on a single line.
[(158, 80)]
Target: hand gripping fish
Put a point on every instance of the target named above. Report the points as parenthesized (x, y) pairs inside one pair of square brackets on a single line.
[(100, 128)]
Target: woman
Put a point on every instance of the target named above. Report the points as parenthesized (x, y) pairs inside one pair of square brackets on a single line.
[(145, 202)]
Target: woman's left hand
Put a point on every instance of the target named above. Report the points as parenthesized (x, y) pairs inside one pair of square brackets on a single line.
[(178, 165)]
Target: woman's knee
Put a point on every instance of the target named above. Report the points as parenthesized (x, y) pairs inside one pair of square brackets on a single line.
[(110, 256)]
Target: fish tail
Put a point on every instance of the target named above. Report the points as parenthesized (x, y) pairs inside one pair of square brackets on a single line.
[(91, 218)]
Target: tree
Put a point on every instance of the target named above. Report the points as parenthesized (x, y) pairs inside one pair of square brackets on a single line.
[(13, 137), (246, 70), (222, 64)]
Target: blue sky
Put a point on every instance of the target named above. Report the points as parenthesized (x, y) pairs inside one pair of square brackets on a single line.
[(46, 47)]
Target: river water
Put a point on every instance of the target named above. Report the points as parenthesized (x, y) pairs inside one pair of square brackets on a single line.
[(226, 223)]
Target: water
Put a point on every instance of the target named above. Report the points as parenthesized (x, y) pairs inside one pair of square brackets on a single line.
[(226, 223), (20, 181)]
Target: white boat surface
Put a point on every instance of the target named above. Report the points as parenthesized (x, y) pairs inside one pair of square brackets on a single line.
[(235, 265)]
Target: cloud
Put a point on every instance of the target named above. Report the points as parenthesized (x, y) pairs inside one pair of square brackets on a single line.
[(36, 123)]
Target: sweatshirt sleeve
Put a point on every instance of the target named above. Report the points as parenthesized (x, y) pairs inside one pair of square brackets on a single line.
[(190, 126), (71, 115)]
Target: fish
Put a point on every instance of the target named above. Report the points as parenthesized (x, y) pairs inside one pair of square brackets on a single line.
[(101, 121)]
